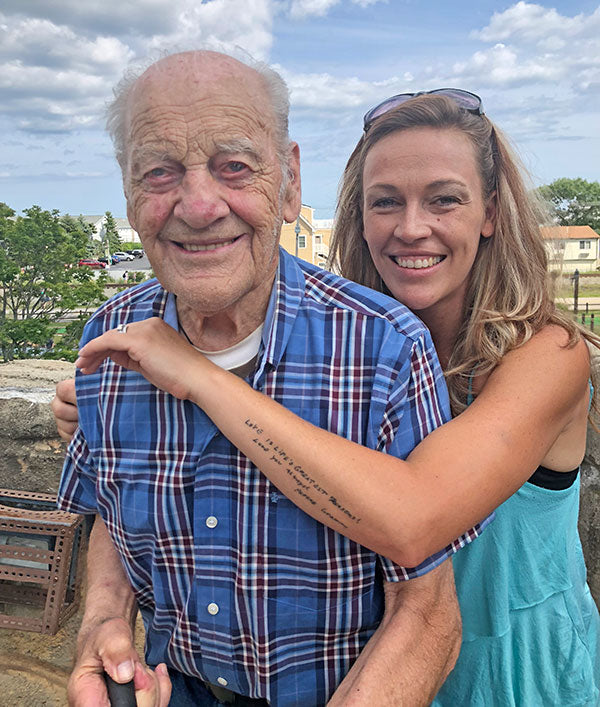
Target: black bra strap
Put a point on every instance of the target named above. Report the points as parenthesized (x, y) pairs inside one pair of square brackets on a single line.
[(553, 480)]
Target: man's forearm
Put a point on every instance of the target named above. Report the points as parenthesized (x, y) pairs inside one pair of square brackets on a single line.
[(414, 649), (108, 593)]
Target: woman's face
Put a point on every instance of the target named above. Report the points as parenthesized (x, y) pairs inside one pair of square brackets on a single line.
[(423, 216)]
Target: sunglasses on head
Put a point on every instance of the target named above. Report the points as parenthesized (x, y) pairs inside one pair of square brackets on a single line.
[(465, 99)]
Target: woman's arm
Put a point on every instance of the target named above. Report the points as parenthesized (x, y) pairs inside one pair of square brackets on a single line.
[(414, 648), (404, 510)]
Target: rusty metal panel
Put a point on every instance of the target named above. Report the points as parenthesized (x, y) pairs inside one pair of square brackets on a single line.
[(41, 557)]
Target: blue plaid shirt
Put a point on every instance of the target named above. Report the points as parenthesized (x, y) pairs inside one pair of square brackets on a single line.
[(234, 582)]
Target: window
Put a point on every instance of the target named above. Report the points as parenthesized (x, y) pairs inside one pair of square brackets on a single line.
[(585, 245), (301, 241), (318, 238)]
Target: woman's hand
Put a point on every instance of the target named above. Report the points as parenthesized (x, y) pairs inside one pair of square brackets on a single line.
[(64, 407), (151, 348)]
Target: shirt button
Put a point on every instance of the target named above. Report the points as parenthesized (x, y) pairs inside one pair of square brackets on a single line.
[(211, 522), (213, 608), (222, 681)]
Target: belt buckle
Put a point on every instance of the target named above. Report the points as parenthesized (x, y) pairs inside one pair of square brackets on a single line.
[(222, 694)]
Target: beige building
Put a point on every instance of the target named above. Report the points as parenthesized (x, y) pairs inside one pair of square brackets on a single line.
[(308, 237), (572, 248), (124, 229)]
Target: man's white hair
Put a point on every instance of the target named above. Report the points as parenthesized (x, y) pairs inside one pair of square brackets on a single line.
[(275, 86)]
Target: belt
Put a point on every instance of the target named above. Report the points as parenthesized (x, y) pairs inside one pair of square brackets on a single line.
[(228, 697), (222, 693)]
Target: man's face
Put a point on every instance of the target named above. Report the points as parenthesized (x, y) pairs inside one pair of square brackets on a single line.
[(203, 182)]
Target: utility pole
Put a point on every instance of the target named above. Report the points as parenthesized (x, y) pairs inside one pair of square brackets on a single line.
[(297, 232), (575, 280)]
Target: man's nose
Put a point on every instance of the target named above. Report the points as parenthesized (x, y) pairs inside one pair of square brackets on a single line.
[(413, 223), (201, 200)]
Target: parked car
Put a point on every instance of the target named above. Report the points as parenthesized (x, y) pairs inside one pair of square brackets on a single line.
[(138, 252), (91, 263), (123, 256), (113, 260)]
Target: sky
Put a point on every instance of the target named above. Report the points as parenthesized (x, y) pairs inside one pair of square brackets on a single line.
[(536, 67)]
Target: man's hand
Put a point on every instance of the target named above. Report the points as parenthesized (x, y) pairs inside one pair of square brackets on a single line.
[(109, 647), (105, 641), (64, 407), (414, 649)]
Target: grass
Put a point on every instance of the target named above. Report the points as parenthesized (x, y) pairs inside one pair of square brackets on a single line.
[(566, 292)]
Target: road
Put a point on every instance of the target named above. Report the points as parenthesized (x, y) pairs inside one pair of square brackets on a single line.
[(137, 265)]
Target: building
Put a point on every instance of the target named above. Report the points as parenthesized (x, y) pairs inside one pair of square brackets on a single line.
[(571, 248), (307, 237), (124, 229)]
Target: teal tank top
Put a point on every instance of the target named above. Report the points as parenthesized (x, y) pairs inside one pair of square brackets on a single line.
[(531, 628)]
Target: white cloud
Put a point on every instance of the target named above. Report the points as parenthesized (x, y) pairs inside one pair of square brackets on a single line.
[(222, 23), (300, 9), (41, 42), (367, 3), (66, 69), (502, 65), (535, 45), (530, 23), (324, 92)]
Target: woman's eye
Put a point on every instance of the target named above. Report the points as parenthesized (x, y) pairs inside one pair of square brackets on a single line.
[(446, 200), (383, 202)]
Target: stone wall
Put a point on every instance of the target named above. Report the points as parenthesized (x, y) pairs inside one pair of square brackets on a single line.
[(32, 453), (589, 515)]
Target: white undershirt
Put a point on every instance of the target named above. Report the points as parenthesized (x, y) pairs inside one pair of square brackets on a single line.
[(237, 355)]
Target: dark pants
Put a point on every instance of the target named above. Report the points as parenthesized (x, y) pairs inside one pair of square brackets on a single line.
[(192, 692)]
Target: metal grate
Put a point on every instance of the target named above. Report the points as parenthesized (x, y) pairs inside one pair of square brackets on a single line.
[(40, 561)]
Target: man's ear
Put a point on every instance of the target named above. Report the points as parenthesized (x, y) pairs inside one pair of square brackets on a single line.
[(292, 200), (489, 223), (130, 216)]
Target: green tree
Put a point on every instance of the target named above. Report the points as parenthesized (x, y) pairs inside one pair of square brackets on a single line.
[(83, 233), (575, 202), (39, 278), (111, 233)]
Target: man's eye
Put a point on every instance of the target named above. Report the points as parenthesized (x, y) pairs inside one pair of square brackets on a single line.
[(156, 172), (235, 167)]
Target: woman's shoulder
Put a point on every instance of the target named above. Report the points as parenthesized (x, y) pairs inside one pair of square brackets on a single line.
[(551, 365), (553, 344)]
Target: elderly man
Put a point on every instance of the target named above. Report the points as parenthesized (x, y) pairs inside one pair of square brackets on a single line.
[(244, 597)]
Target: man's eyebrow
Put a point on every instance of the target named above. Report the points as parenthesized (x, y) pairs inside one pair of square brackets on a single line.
[(147, 153), (243, 145)]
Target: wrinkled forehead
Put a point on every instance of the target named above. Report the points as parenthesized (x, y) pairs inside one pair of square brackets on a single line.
[(214, 96)]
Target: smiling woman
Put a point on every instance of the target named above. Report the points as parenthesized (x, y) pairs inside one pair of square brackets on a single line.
[(424, 215)]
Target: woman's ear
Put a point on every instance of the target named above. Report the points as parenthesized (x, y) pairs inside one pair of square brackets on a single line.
[(489, 223)]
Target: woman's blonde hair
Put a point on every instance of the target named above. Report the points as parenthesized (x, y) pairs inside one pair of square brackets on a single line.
[(508, 298)]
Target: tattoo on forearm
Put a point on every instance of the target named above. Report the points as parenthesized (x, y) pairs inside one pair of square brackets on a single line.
[(306, 486)]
